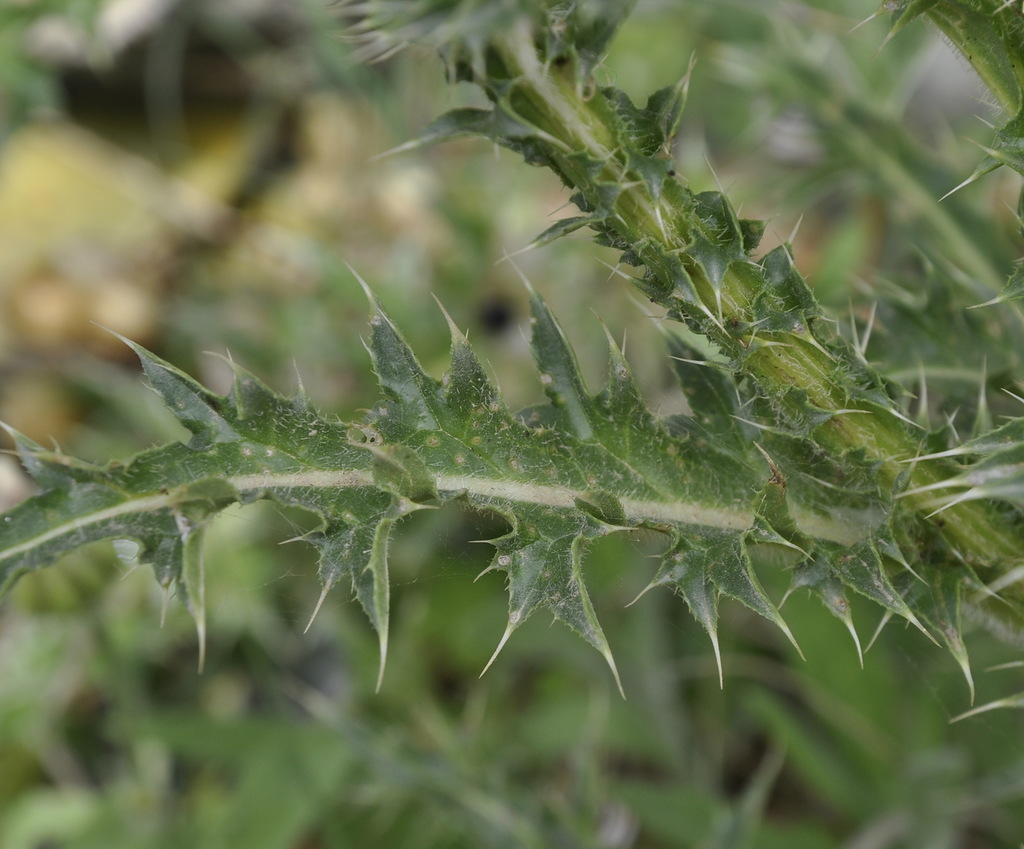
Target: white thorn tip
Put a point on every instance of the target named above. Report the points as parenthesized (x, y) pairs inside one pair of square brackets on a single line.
[(856, 641), (362, 282), (789, 636), (501, 644), (794, 231), (201, 635), (718, 658), (383, 660), (967, 714), (913, 620), (966, 496), (607, 652), (316, 609), (402, 148), (165, 601), (868, 327), (867, 20), (886, 616), (456, 334), (966, 667), (954, 190), (1011, 577), (642, 593), (1015, 397)]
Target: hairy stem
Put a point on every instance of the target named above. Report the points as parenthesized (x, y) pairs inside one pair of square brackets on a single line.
[(582, 144), (981, 38)]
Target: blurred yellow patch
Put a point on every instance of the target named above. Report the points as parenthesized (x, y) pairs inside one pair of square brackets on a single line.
[(87, 230)]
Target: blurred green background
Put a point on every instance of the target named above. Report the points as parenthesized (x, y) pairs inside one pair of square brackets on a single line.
[(196, 176)]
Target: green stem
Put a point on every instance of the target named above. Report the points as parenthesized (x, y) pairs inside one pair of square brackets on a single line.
[(988, 45), (583, 133)]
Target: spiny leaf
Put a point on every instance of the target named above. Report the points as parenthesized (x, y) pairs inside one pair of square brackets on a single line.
[(192, 405), (805, 382), (686, 568), (938, 602), (559, 373), (818, 576), (542, 557), (586, 465), (861, 567), (1006, 148)]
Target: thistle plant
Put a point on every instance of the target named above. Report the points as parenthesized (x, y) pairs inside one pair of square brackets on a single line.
[(798, 453)]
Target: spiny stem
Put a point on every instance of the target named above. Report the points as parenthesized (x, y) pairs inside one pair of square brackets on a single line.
[(549, 98)]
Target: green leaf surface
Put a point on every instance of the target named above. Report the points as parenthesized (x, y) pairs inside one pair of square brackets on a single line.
[(797, 450), (587, 465)]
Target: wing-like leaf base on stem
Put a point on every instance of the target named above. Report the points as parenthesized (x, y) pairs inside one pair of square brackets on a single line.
[(578, 468)]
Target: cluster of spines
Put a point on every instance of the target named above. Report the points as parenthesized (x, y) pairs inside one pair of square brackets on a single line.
[(600, 464)]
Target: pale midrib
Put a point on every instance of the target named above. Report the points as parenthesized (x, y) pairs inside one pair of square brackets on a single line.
[(449, 486)]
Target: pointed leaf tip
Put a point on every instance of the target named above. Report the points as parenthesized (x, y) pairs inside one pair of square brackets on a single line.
[(458, 337), (856, 641)]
